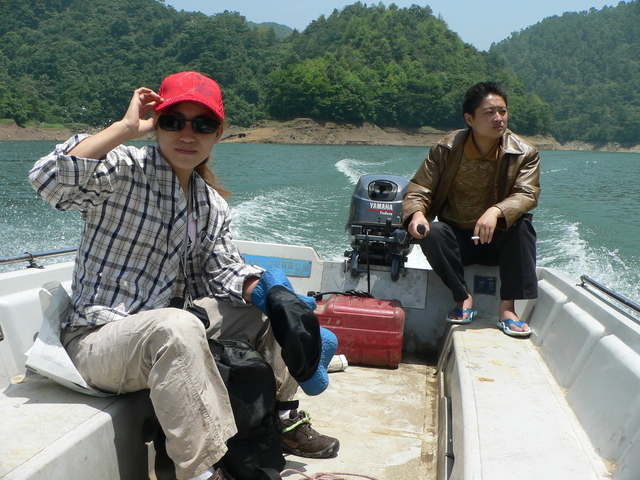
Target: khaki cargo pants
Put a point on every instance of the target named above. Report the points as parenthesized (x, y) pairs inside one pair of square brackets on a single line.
[(166, 351)]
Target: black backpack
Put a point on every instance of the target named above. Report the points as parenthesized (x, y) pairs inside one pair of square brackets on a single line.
[(255, 452)]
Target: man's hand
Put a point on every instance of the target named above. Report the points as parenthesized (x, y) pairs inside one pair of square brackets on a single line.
[(486, 225), (419, 226)]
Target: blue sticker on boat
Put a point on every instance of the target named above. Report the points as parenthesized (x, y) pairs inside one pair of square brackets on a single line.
[(290, 266)]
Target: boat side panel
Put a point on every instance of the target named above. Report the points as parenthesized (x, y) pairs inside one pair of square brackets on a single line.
[(606, 397), (272, 255), (21, 314), (29, 278), (629, 467), (568, 345), (561, 289), (458, 386), (593, 351), (549, 302), (20, 320)]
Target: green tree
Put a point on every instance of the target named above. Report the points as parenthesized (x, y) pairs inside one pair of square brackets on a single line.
[(587, 66), (78, 62)]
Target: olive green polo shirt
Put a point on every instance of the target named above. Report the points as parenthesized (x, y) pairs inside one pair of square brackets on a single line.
[(472, 191)]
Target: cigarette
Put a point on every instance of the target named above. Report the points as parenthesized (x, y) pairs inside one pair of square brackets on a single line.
[(475, 238)]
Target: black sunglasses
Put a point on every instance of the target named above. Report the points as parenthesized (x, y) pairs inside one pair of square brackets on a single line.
[(175, 123)]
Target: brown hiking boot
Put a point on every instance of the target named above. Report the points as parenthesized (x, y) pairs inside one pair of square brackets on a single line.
[(218, 475), (300, 439)]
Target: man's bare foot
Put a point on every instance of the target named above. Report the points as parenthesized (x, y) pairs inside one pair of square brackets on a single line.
[(507, 312), (463, 313)]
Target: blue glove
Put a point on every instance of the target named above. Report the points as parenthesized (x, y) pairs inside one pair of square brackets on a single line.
[(270, 278), (307, 348)]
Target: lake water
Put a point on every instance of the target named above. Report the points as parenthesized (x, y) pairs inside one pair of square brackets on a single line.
[(587, 218)]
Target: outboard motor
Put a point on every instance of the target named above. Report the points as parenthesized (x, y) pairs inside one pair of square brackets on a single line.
[(375, 224)]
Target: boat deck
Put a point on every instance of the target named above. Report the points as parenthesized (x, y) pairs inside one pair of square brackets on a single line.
[(385, 420), (569, 395), (510, 410)]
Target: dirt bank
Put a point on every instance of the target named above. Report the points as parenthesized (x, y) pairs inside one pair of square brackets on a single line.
[(305, 131), (11, 131)]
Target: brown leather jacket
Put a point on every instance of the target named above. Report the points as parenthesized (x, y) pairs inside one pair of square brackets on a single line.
[(517, 182)]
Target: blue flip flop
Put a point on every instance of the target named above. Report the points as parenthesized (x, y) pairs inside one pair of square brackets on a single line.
[(505, 324), (459, 313)]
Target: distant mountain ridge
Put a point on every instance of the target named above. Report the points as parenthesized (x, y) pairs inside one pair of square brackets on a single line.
[(587, 66), (385, 65), (576, 76), (282, 31)]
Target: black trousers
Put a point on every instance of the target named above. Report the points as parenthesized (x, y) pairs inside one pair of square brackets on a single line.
[(449, 249)]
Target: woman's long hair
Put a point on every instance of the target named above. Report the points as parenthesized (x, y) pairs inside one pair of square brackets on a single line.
[(207, 174), (210, 178)]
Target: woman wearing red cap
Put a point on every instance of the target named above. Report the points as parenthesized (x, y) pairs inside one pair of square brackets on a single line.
[(157, 235)]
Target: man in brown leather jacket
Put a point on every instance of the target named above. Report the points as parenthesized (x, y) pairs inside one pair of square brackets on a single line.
[(480, 182)]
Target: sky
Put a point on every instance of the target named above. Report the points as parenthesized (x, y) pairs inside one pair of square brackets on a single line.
[(477, 22)]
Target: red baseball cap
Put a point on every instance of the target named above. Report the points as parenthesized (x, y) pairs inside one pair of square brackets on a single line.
[(191, 87)]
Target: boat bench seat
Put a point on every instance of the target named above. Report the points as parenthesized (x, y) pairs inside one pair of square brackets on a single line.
[(502, 407), (48, 431), (569, 396)]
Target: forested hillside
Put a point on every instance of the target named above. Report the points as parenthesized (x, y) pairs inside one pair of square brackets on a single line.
[(73, 61), (390, 66), (587, 65)]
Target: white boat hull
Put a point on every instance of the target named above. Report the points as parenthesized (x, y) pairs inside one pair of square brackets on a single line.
[(564, 404)]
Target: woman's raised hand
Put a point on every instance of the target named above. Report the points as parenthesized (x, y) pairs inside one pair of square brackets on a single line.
[(137, 122), (137, 118)]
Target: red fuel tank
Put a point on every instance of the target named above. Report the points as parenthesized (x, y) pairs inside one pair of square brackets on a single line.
[(370, 331)]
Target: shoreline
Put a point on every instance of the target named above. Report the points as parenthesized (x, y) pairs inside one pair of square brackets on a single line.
[(305, 131)]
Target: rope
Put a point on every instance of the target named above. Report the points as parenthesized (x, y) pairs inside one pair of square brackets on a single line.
[(326, 476)]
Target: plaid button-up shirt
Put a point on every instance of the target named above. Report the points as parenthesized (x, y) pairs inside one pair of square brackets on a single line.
[(135, 215)]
